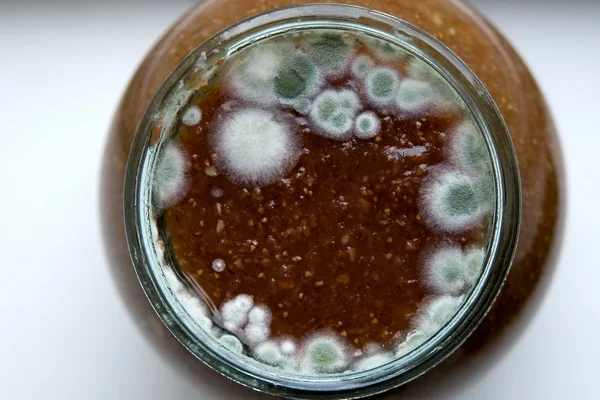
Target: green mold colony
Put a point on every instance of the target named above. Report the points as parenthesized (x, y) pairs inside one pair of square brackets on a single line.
[(333, 113), (450, 203), (452, 271), (368, 125), (382, 85), (325, 354), (170, 181), (414, 95), (297, 78), (361, 66), (331, 52)]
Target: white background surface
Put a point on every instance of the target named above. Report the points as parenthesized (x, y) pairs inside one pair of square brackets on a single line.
[(65, 334)]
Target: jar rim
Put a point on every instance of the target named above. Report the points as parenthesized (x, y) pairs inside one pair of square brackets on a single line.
[(507, 210)]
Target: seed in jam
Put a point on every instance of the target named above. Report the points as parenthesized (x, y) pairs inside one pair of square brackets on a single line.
[(327, 195), (437, 313)]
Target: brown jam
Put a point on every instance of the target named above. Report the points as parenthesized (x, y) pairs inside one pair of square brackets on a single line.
[(337, 241)]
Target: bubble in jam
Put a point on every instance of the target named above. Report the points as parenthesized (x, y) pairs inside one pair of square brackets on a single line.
[(329, 195)]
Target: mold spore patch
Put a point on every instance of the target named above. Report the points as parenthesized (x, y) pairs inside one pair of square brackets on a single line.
[(367, 125), (437, 313), (325, 354), (254, 147), (332, 52), (235, 312), (373, 361), (313, 178), (333, 113), (450, 270), (414, 95), (382, 85), (191, 116), (469, 148), (450, 202), (361, 66), (252, 77), (170, 180)]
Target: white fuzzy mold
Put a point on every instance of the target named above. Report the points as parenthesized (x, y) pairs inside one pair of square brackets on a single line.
[(361, 66), (255, 148), (413, 340), (235, 312), (194, 308), (232, 343), (288, 346), (446, 270), (420, 70), (331, 52), (258, 328), (367, 125), (256, 334), (437, 314), (333, 113), (451, 203), (252, 77), (324, 354), (303, 106), (269, 353), (373, 361), (382, 85), (474, 263), (470, 150), (383, 50), (414, 95), (260, 315), (451, 271), (170, 177), (192, 116)]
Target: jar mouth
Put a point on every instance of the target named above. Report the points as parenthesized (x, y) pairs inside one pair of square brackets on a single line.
[(173, 96)]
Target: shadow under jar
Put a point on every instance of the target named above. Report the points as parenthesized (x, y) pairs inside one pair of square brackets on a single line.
[(326, 201)]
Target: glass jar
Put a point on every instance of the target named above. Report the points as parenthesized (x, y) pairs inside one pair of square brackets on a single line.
[(471, 340)]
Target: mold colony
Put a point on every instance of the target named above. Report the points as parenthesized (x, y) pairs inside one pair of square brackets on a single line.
[(330, 196)]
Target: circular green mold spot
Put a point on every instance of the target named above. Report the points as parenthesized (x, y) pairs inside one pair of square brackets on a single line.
[(331, 52), (297, 77), (362, 65), (413, 95), (325, 355), (333, 113), (232, 343), (460, 199), (382, 85)]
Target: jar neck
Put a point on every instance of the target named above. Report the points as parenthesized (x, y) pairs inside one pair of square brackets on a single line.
[(191, 75)]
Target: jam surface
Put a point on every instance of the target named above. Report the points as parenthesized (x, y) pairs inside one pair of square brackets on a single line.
[(326, 185)]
